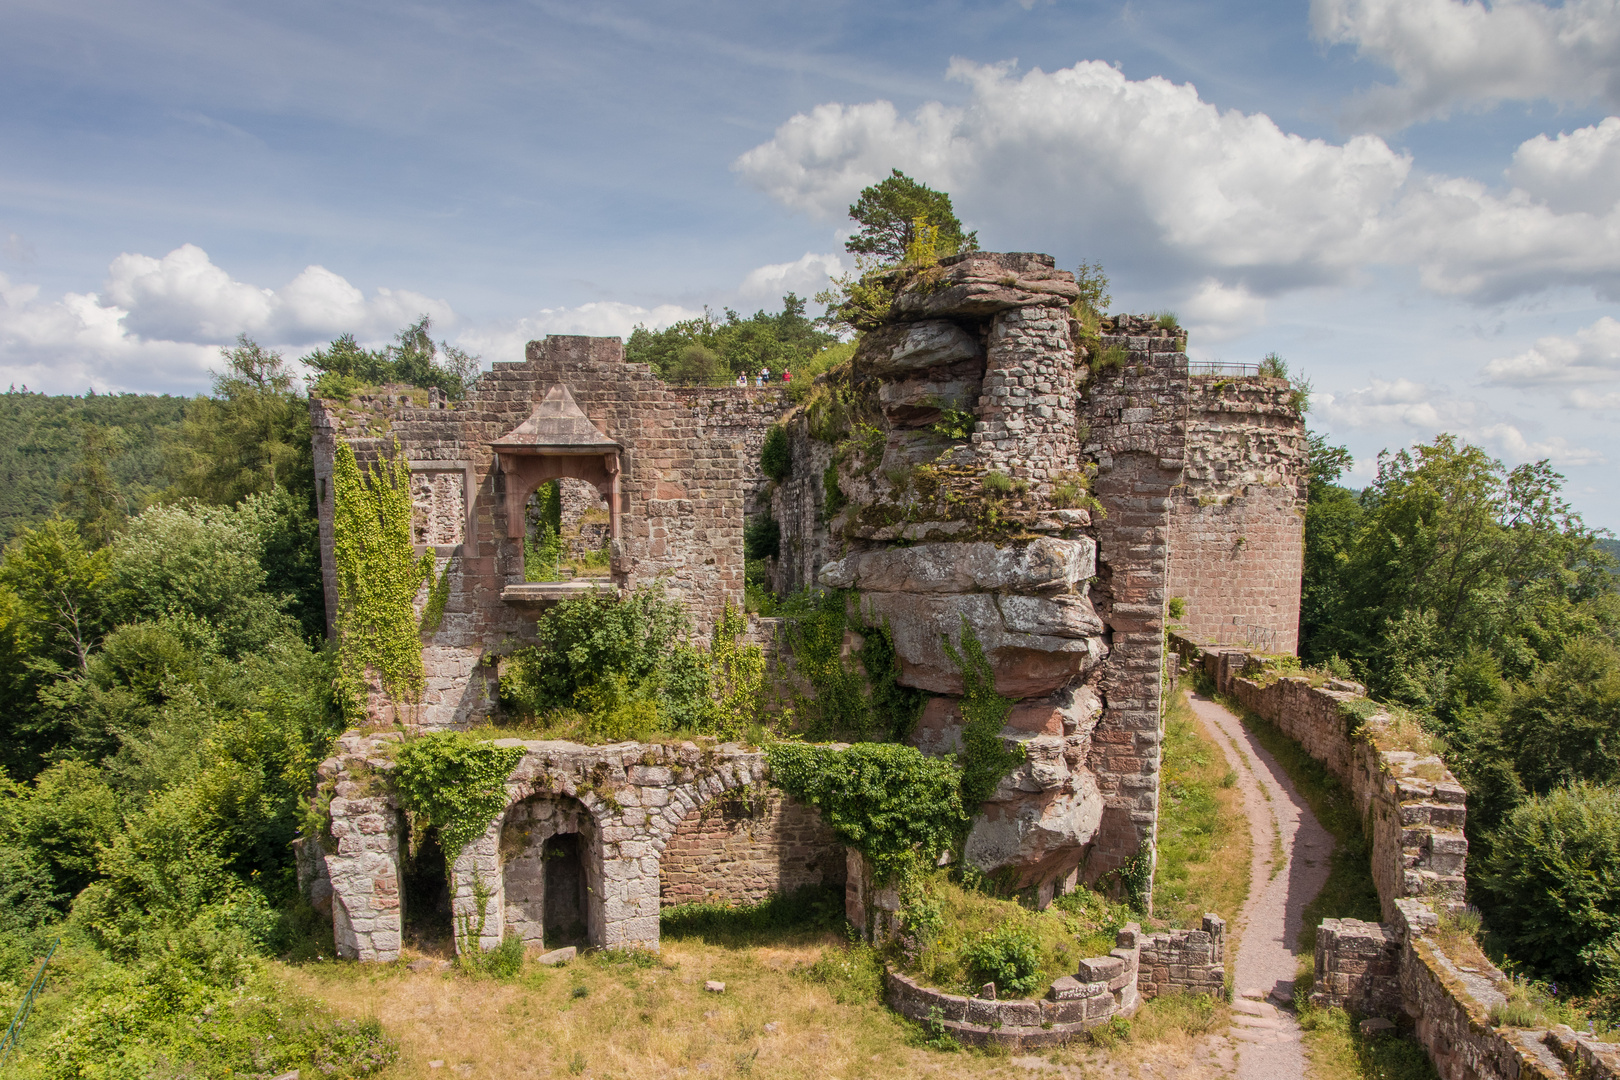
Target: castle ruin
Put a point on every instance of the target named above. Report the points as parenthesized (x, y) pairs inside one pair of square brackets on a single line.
[(983, 463)]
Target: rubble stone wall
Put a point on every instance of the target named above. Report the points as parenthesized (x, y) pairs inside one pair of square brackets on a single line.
[(689, 469), (1237, 526), (737, 849), (1137, 438), (1184, 961), (627, 801)]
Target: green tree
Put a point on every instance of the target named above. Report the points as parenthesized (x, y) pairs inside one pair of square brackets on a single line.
[(888, 212), (1552, 883), (414, 359), (252, 436), (90, 495), (712, 349), (1332, 519)]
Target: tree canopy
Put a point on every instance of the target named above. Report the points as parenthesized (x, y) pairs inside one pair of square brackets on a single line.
[(888, 213), (711, 350)]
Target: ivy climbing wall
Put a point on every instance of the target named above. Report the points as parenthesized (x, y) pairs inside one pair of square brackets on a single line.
[(689, 468)]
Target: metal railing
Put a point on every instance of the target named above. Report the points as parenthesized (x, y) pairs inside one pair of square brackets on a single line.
[(1221, 367), (1261, 639), (14, 1032)]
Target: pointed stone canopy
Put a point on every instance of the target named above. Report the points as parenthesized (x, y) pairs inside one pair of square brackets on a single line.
[(557, 440), (557, 426)]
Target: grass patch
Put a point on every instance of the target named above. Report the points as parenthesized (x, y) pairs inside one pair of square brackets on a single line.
[(1337, 1050), (807, 912), (1349, 892), (1204, 843), (1078, 925)]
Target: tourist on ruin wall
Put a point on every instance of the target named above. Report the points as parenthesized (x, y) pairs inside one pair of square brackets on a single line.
[(742, 382)]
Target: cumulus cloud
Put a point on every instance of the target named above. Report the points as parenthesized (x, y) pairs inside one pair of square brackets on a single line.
[(1450, 54), (159, 322), (1421, 410), (805, 276), (1583, 369), (1576, 171), (1216, 312), (505, 341), (1150, 179)]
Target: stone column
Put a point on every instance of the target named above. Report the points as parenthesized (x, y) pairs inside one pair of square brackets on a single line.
[(365, 878), (477, 869)]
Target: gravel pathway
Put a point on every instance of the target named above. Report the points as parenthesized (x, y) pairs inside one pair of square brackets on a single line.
[(1268, 926)]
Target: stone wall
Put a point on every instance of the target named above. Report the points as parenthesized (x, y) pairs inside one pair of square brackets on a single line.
[(742, 848), (1137, 439), (1103, 987), (1184, 961), (1410, 803), (689, 469), (1237, 524), (624, 801), (1358, 967)]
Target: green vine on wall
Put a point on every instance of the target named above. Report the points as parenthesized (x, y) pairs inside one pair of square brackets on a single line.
[(378, 576), (438, 597), (455, 783), (985, 758), (846, 702), (890, 802)]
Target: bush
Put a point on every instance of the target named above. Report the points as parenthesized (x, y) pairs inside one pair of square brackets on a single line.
[(890, 802), (1550, 874), (1009, 956), (504, 961), (762, 538), (776, 457)]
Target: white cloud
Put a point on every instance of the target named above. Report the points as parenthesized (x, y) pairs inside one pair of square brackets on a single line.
[(805, 276), (1575, 367), (1575, 171), (506, 341), (1422, 411), (1216, 312), (157, 323), (185, 297), (1450, 54), (1149, 178)]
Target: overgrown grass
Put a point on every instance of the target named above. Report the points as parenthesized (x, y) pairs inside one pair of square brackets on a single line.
[(1078, 925), (1204, 843), (1339, 1051), (1349, 892), (811, 911)]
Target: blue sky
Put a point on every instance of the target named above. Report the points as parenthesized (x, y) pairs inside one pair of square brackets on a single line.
[(1417, 202)]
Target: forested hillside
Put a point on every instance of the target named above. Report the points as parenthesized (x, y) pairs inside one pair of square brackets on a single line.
[(43, 443)]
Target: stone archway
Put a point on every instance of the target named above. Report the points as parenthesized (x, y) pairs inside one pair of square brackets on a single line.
[(551, 871)]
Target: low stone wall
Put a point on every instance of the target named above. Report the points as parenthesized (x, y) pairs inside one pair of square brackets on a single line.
[(1103, 988), (1140, 967), (741, 848), (1410, 803), (1185, 961), (1413, 810), (1358, 967)]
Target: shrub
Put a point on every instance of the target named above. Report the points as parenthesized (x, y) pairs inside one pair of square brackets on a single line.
[(997, 483), (1009, 956), (762, 538), (888, 801), (1176, 609), (1166, 320), (775, 457), (1555, 898)]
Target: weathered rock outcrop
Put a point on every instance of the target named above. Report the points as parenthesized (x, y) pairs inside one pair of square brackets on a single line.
[(959, 470)]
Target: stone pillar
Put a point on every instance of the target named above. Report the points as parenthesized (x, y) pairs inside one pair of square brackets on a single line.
[(1137, 438), (478, 892), (365, 879)]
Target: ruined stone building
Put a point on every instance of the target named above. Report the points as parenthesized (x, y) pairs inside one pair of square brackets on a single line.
[(982, 463)]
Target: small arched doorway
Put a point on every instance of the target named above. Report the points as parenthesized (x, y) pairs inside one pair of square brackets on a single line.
[(551, 864)]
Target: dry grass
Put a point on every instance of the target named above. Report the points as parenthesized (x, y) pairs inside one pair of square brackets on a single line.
[(1204, 842), (608, 1016)]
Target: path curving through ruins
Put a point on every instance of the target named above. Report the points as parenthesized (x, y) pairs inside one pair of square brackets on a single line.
[(1289, 867)]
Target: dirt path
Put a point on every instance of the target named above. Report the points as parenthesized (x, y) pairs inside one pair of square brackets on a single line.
[(1290, 865)]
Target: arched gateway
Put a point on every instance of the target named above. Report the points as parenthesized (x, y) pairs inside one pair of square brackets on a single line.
[(578, 841)]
